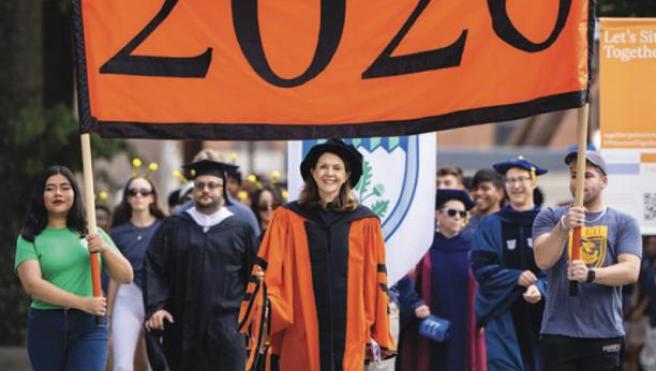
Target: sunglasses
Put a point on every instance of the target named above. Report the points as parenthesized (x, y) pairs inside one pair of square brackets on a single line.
[(453, 212), (133, 192), (266, 207)]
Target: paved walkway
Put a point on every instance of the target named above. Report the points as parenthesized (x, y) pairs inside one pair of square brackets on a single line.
[(14, 359)]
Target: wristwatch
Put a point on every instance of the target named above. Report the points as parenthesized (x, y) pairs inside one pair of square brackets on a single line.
[(591, 276)]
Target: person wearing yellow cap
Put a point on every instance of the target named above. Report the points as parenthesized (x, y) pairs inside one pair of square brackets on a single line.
[(511, 288)]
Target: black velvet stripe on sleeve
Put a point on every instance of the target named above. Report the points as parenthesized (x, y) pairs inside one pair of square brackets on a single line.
[(275, 362), (482, 258), (513, 245), (251, 304), (261, 262)]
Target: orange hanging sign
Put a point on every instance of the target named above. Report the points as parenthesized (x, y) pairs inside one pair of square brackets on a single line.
[(249, 69)]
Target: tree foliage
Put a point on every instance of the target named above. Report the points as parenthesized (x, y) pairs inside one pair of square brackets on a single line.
[(32, 141), (32, 136)]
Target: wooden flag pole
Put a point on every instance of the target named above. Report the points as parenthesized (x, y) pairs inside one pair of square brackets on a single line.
[(580, 181), (91, 209)]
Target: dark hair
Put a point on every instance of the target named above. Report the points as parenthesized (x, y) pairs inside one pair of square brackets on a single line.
[(538, 197), (174, 198), (123, 211), (234, 174), (487, 175), (467, 182), (451, 170), (439, 204), (492, 176), (104, 208), (37, 215), (255, 200)]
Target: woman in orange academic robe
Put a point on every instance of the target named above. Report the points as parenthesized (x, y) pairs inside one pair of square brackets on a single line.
[(322, 302)]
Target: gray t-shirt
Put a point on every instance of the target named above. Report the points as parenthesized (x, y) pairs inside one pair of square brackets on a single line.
[(596, 312)]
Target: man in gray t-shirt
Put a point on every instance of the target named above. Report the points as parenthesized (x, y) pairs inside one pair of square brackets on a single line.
[(584, 332)]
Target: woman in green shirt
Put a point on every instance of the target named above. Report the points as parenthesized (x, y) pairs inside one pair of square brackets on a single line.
[(52, 262)]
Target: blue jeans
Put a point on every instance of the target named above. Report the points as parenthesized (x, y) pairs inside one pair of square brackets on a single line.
[(66, 340)]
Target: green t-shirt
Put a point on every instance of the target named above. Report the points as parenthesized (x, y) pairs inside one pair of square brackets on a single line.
[(64, 260)]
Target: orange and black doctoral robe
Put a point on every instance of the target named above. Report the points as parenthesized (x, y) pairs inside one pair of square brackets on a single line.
[(324, 295)]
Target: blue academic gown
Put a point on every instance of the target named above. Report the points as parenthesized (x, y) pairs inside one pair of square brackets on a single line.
[(450, 283), (449, 294), (503, 249)]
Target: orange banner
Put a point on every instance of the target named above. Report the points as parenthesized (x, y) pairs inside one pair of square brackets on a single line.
[(249, 69), (627, 76)]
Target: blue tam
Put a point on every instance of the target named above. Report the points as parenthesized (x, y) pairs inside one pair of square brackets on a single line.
[(445, 195), (519, 162)]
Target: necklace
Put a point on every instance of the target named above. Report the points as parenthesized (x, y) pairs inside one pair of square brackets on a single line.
[(140, 227), (603, 212), (140, 231)]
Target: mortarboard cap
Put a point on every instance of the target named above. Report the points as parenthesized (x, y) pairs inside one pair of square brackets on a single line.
[(209, 167)]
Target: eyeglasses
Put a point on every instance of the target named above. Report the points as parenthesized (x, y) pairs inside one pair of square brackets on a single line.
[(133, 192), (210, 185), (519, 179), (453, 212)]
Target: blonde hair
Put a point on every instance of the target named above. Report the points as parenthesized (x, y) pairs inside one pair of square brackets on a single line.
[(209, 154)]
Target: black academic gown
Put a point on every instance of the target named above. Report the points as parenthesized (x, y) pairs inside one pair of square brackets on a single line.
[(200, 278)]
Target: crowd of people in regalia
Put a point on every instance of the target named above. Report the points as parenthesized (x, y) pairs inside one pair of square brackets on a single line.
[(233, 276)]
